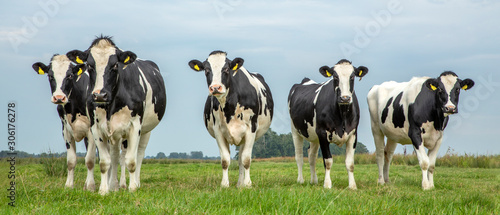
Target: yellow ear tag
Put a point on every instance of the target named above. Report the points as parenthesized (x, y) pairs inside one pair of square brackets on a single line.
[(360, 72), (40, 71), (127, 59), (79, 72), (196, 67), (433, 87), (328, 74), (78, 60), (235, 67), (464, 87)]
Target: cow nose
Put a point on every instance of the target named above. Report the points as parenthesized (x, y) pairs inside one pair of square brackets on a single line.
[(100, 96), (215, 89), (345, 99), (449, 109), (59, 99)]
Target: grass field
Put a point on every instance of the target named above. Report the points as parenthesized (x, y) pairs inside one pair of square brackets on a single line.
[(192, 187)]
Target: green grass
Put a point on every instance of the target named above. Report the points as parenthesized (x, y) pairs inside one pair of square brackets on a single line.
[(193, 187)]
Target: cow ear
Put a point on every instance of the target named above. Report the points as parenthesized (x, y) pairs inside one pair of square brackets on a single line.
[(40, 68), (77, 56), (79, 69), (236, 64), (196, 65), (326, 71), (432, 84), (360, 71), (127, 57), (466, 84)]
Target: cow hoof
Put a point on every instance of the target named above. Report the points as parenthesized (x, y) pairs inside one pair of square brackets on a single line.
[(103, 192), (353, 187), (327, 185), (123, 186), (300, 180), (89, 187), (224, 184)]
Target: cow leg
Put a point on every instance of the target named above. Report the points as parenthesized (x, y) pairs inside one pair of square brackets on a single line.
[(390, 147), (415, 135), (432, 162), (327, 160), (104, 161), (131, 156), (298, 143), (123, 178), (115, 155), (423, 160), (143, 143), (313, 156), (349, 161), (378, 137), (71, 160), (90, 162), (246, 157), (241, 174), (225, 158)]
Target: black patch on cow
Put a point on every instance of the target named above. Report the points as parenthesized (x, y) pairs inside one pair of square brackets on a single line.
[(398, 116), (139, 132), (67, 145), (86, 141), (301, 98), (385, 112), (100, 140), (125, 144)]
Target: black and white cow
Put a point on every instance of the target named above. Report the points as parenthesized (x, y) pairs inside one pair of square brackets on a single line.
[(238, 110), (68, 84), (127, 102), (326, 113), (414, 112)]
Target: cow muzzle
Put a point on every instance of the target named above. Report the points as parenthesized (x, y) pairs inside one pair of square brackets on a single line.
[(100, 97), (344, 100), (450, 109), (59, 99), (216, 90)]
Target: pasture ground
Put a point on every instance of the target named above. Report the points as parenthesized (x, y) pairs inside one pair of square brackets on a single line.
[(193, 187)]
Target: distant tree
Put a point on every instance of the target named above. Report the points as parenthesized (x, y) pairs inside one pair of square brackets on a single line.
[(174, 155), (183, 155), (196, 155), (160, 155)]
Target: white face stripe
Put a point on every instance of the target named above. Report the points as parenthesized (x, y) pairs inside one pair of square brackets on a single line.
[(449, 82), (101, 53), (60, 65), (217, 61), (344, 71)]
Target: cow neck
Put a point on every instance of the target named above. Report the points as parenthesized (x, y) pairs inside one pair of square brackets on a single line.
[(425, 110)]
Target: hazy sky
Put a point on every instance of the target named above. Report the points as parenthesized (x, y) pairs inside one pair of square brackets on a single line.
[(284, 41)]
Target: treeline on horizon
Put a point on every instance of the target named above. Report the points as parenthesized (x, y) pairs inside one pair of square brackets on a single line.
[(270, 145)]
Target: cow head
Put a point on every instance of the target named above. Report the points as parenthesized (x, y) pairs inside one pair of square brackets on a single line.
[(62, 76), (446, 89), (343, 74), (105, 62), (218, 70)]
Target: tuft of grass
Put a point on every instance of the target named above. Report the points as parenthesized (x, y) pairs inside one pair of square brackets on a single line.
[(53, 165)]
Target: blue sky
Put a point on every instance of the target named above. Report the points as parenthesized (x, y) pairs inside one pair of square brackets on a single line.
[(284, 41)]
